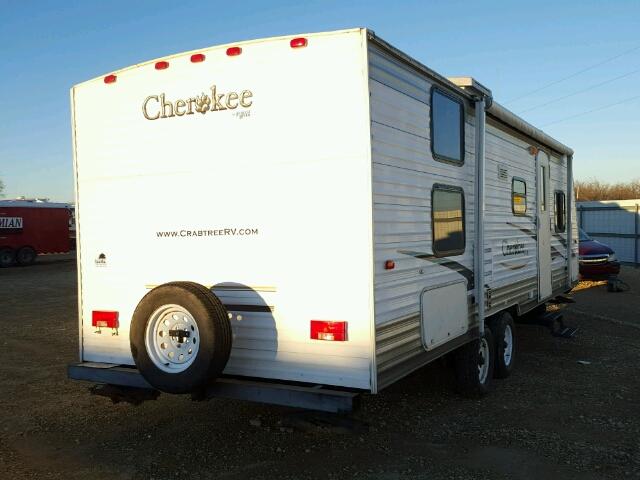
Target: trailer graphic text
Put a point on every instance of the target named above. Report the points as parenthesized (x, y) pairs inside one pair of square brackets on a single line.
[(11, 222), (222, 232), (513, 247), (158, 106)]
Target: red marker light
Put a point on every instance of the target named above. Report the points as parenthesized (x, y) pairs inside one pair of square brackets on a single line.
[(197, 57), (104, 319), (298, 42), (162, 65), (110, 79), (329, 331), (234, 51), (389, 265)]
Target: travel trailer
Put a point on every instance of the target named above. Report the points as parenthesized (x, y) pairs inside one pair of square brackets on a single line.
[(303, 221), (32, 227)]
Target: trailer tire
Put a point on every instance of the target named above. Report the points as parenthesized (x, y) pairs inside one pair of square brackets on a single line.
[(7, 257), (180, 337), (474, 363), (26, 256), (503, 329)]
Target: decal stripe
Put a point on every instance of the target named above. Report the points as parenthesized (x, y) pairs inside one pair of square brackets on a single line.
[(230, 287), (445, 262), (563, 241), (524, 230), (249, 308), (554, 251), (513, 267)]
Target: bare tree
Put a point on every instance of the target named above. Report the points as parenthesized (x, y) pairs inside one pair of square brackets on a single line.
[(594, 189), (1, 188)]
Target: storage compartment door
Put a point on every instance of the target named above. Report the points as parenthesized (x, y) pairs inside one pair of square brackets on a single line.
[(444, 313)]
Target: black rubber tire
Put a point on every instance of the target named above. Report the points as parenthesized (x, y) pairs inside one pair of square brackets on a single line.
[(7, 257), (466, 361), (499, 324), (26, 256), (215, 337)]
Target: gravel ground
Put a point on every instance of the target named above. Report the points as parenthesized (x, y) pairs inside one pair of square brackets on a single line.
[(571, 409)]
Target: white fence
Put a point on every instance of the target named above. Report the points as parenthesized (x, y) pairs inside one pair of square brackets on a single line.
[(614, 222)]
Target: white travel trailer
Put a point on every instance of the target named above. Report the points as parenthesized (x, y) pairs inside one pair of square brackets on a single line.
[(303, 220)]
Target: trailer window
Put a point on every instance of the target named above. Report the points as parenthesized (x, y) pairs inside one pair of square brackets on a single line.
[(543, 200), (447, 128), (447, 220), (561, 212), (518, 196)]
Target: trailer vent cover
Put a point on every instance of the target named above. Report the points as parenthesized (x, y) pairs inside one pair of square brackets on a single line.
[(503, 173)]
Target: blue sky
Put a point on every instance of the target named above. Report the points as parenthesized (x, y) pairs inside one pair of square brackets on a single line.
[(512, 47)]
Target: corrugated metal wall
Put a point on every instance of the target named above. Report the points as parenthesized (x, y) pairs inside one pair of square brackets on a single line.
[(614, 222)]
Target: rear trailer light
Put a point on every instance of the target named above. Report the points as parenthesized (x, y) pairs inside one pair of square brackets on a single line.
[(330, 331), (110, 79), (162, 65), (234, 51), (298, 42), (102, 319), (197, 57)]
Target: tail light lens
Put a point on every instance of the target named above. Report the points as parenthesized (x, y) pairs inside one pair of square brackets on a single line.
[(100, 318), (234, 51), (329, 331), (162, 65), (197, 57), (110, 79)]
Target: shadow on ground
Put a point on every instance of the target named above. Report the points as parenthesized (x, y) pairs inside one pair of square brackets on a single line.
[(570, 411)]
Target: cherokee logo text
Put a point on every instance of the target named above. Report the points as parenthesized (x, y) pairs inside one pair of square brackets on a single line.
[(158, 106)]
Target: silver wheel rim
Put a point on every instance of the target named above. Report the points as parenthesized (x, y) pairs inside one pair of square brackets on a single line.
[(483, 360), (172, 338), (507, 355)]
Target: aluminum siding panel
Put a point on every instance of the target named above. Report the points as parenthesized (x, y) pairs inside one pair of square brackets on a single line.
[(404, 173)]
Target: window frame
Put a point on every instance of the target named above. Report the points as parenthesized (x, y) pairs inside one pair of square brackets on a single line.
[(564, 211), (513, 210), (544, 193), (456, 252), (436, 156)]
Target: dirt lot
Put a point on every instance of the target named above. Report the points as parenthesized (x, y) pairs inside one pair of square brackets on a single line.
[(571, 410)]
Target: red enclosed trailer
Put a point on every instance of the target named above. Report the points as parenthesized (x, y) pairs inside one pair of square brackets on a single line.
[(31, 228)]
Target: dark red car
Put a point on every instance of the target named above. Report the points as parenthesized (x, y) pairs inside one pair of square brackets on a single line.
[(596, 259)]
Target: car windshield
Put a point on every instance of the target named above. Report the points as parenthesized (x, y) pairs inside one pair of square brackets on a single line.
[(583, 236)]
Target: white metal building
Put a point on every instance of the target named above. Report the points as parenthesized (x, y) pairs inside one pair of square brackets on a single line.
[(614, 222)]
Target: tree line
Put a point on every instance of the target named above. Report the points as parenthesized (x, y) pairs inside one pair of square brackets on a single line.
[(596, 190)]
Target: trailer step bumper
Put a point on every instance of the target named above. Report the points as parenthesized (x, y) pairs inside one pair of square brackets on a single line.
[(314, 397)]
